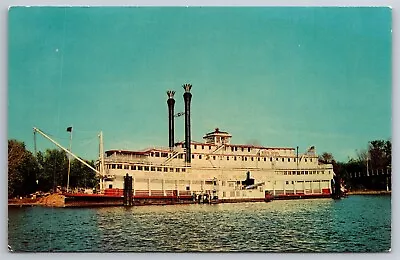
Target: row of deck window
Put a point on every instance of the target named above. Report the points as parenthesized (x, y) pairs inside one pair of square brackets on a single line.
[(253, 158), (232, 148), (145, 168), (235, 158), (302, 172)]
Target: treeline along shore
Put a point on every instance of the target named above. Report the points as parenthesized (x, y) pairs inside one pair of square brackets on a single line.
[(39, 175)]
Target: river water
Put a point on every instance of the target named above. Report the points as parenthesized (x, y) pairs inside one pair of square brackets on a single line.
[(353, 224)]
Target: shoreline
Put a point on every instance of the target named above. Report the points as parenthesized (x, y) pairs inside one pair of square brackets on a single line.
[(370, 192), (59, 200)]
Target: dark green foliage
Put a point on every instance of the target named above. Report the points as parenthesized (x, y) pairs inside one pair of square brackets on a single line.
[(354, 172), (22, 169), (81, 176), (45, 171)]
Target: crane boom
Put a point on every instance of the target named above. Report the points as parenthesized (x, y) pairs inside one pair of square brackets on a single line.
[(66, 150)]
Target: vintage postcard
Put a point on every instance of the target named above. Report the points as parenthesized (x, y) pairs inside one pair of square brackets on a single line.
[(199, 129)]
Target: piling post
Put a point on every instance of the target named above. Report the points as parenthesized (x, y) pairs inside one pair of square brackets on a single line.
[(128, 198)]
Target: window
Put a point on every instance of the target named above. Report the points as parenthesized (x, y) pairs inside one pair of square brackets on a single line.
[(183, 170), (232, 148), (159, 169), (310, 159), (252, 158), (214, 157), (248, 149), (306, 172), (288, 159), (177, 169), (146, 168), (110, 186), (152, 154), (180, 156), (305, 160), (112, 166), (270, 159), (183, 145), (202, 147), (294, 159), (164, 154), (165, 169), (171, 169), (234, 158), (283, 159), (133, 167), (227, 158), (126, 167), (302, 172), (287, 182), (153, 169), (258, 158), (277, 159), (265, 159), (157, 154), (140, 168), (200, 156), (192, 156), (187, 188), (242, 149), (119, 166), (209, 147), (235, 148), (195, 146)]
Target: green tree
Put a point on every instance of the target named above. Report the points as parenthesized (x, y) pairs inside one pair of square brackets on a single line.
[(82, 176), (54, 169), (22, 169), (325, 158), (380, 154)]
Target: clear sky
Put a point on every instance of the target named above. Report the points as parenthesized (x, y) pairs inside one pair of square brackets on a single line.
[(272, 76)]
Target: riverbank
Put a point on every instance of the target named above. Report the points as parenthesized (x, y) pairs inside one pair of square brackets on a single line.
[(369, 192), (52, 200)]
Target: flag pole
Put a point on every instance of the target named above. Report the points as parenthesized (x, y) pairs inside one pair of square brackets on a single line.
[(69, 129)]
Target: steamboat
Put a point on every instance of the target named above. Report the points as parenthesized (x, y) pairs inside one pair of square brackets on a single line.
[(214, 169)]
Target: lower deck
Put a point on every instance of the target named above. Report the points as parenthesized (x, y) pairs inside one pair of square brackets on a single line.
[(222, 184)]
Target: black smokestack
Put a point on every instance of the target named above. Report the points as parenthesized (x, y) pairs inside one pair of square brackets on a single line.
[(187, 96), (171, 103)]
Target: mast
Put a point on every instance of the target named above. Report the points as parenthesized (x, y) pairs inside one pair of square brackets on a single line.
[(101, 153), (69, 129)]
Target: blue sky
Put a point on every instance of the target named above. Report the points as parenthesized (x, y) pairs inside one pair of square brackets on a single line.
[(274, 76)]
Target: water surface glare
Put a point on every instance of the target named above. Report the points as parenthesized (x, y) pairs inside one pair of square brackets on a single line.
[(354, 224)]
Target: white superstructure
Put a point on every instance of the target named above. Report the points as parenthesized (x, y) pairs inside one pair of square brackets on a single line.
[(218, 168)]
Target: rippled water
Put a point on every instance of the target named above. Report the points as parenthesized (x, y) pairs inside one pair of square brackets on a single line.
[(354, 224)]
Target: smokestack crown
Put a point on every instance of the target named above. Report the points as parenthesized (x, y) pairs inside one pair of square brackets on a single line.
[(170, 93), (187, 87)]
